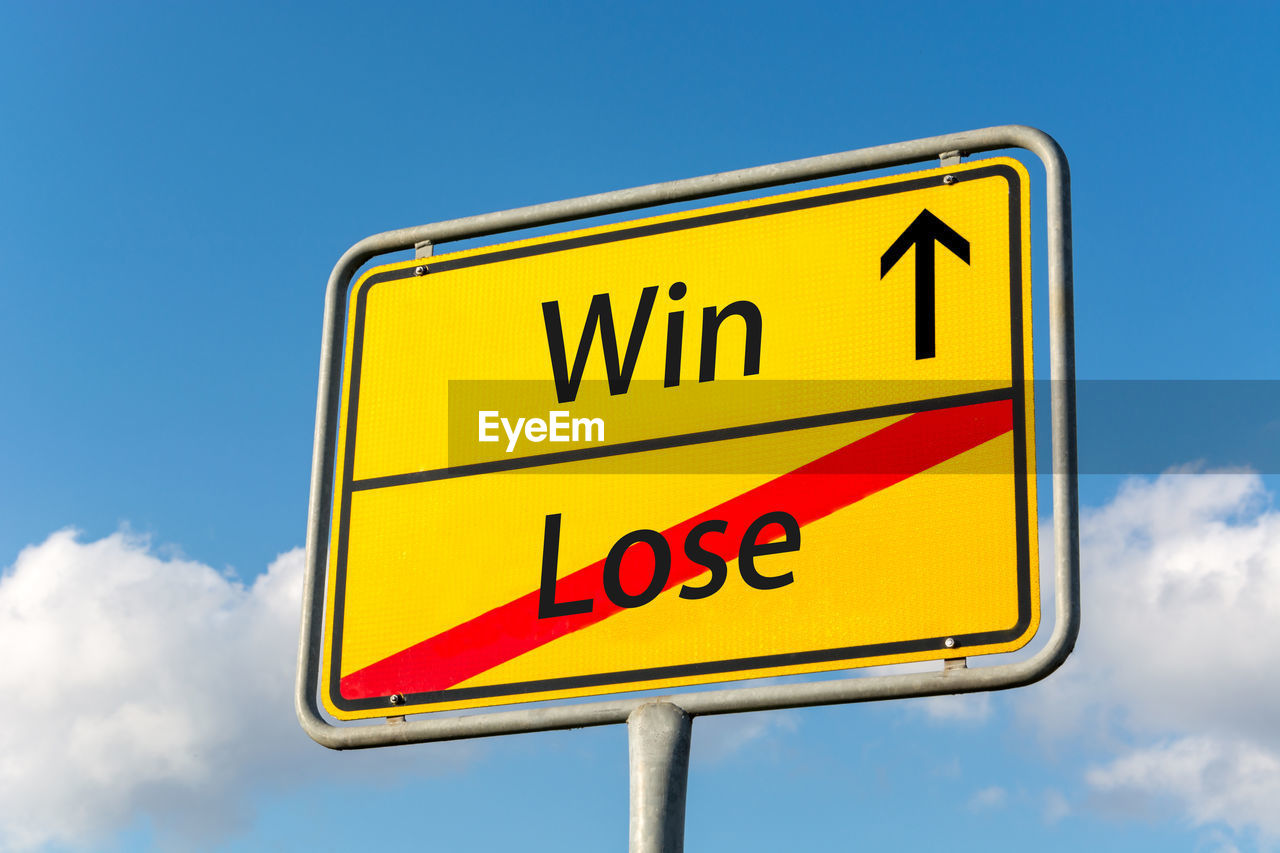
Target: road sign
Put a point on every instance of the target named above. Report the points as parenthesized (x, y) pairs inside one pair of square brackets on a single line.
[(785, 435)]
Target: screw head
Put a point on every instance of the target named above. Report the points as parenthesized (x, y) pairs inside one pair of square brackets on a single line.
[(949, 642), (948, 179), (397, 699), (419, 270)]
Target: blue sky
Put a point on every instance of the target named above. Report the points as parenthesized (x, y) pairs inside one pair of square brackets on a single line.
[(176, 182)]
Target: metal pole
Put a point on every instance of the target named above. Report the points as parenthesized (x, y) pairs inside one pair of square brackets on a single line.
[(658, 739)]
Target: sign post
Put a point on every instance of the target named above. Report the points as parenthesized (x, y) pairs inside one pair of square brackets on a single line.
[(658, 736), (786, 435)]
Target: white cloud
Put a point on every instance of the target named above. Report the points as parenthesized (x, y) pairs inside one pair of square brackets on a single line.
[(715, 738), (988, 799), (1234, 782), (1172, 683), (949, 769), (1220, 843), (140, 687), (1056, 806)]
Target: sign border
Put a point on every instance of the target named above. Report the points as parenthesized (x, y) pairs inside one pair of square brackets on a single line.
[(732, 668), (724, 700)]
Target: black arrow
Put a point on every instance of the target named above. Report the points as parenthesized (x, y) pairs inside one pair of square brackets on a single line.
[(925, 230)]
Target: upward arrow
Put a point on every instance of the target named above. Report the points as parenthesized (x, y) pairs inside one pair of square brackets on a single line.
[(925, 230)]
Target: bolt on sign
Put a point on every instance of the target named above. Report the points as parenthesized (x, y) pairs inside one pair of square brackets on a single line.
[(785, 435)]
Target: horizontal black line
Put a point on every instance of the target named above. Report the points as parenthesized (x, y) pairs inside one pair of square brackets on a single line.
[(653, 228), (721, 667), (497, 254), (739, 667), (666, 442)]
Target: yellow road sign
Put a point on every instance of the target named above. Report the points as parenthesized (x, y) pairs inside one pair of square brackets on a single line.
[(785, 435)]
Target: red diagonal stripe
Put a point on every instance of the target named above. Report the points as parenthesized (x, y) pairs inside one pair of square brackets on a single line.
[(809, 493)]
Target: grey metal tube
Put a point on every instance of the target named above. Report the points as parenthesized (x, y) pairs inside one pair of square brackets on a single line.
[(1062, 374), (658, 736)]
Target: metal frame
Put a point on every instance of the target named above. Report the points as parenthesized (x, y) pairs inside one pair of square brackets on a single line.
[(951, 679)]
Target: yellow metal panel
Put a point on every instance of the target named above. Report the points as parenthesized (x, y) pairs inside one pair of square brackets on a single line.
[(438, 536)]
